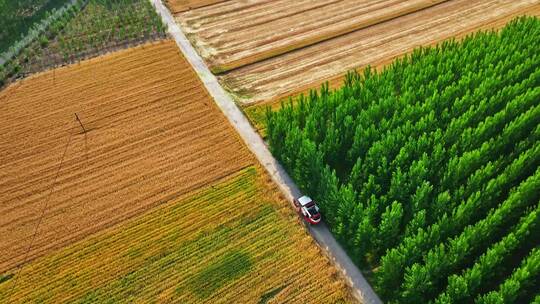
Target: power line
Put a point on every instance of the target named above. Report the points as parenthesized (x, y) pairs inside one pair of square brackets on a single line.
[(85, 138), (19, 270)]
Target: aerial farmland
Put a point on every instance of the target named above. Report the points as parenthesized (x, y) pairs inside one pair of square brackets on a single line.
[(95, 179), (270, 151), (97, 184), (308, 46)]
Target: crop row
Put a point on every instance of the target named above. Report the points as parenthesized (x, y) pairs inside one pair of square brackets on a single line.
[(133, 105), (222, 244), (416, 166), (19, 18), (90, 28)]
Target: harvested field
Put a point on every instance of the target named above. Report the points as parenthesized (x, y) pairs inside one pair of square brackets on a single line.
[(231, 242), (154, 134), (375, 45), (238, 33), (177, 6)]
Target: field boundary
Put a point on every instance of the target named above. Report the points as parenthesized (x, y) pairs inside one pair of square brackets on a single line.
[(336, 80), (362, 291), (188, 7)]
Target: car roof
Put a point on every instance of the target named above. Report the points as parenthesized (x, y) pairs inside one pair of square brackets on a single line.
[(304, 200)]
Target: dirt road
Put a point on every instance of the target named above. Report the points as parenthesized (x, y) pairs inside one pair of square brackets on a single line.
[(361, 289)]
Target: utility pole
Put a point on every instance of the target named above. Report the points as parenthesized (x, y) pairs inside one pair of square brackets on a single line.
[(85, 138), (80, 122)]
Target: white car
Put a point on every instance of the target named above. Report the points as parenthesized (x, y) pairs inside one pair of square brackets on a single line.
[(308, 209)]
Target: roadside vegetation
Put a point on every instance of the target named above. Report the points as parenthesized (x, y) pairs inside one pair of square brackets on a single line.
[(89, 29), (427, 172)]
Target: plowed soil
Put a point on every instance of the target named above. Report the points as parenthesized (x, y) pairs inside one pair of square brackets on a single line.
[(237, 33), (153, 133), (177, 6)]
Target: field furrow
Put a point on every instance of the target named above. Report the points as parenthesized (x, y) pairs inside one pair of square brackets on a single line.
[(376, 45), (227, 44), (153, 134), (177, 253), (177, 6)]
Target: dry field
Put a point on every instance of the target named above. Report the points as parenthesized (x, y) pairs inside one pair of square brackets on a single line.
[(376, 45), (300, 69), (153, 134), (177, 6), (230, 242), (236, 33)]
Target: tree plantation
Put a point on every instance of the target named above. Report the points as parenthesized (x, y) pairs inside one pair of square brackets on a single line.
[(428, 171), (87, 29)]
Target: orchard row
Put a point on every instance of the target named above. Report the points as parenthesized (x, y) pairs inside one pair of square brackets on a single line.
[(428, 170)]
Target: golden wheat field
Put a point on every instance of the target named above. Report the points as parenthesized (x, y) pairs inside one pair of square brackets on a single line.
[(376, 45), (271, 49), (177, 6), (151, 198), (153, 133), (231, 242), (237, 33)]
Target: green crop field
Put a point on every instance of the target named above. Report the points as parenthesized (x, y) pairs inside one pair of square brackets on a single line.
[(428, 171), (103, 24), (90, 29), (17, 17)]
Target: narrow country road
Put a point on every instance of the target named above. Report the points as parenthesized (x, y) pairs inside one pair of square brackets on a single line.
[(361, 288)]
